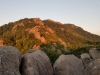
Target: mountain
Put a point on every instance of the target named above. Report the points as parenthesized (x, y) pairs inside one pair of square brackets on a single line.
[(31, 33)]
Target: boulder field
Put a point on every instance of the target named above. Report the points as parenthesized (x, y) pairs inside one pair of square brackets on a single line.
[(36, 62)]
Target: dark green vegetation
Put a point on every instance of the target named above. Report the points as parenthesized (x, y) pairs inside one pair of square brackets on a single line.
[(54, 50), (27, 33), (54, 54)]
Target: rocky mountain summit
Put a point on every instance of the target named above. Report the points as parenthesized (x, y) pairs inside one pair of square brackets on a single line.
[(31, 33), (36, 62)]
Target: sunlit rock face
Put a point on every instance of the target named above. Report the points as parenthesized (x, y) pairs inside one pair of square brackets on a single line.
[(1, 42)]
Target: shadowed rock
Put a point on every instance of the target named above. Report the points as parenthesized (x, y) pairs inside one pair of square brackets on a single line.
[(68, 65), (36, 62), (93, 68), (85, 57), (95, 54), (9, 60)]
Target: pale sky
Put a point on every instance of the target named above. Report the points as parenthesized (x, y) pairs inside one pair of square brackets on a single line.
[(82, 13)]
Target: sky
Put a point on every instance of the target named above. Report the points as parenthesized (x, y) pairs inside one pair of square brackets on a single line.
[(82, 13)]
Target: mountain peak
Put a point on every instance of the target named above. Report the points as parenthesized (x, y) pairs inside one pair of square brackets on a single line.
[(38, 21)]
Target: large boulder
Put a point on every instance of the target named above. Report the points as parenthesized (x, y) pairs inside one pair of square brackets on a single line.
[(93, 68), (68, 65), (85, 57), (9, 60), (95, 54), (36, 62)]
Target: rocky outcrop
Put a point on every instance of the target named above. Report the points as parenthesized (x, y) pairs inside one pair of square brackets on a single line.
[(16, 26), (95, 54), (85, 57), (36, 62), (36, 47), (49, 29), (38, 21), (93, 68), (9, 60), (1, 42), (62, 42), (37, 34), (68, 65)]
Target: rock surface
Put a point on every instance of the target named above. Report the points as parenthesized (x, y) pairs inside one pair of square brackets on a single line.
[(37, 34), (68, 65), (95, 54), (85, 57), (9, 60), (93, 68), (36, 62), (38, 21)]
